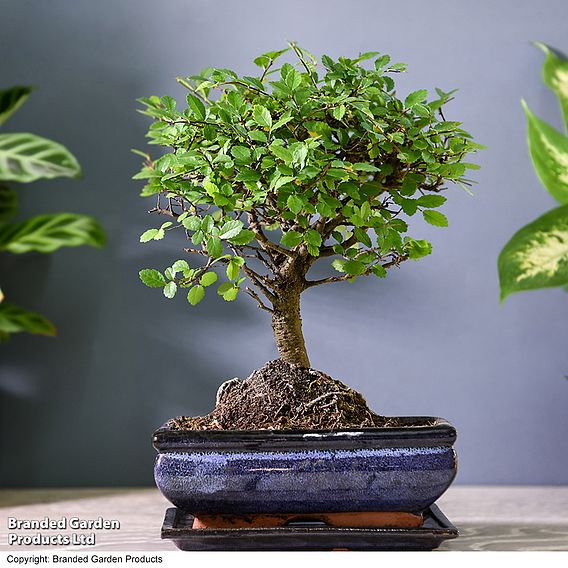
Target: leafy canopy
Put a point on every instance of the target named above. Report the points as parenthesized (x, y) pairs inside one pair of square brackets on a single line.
[(301, 161)]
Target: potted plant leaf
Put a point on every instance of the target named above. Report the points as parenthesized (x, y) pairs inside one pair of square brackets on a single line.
[(24, 158), (268, 176), (537, 255)]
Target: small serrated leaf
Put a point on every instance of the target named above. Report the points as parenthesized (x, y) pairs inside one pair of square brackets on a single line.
[(170, 290), (197, 107), (262, 116), (435, 218), (152, 278), (196, 294), (148, 235), (214, 247), (208, 278), (291, 239)]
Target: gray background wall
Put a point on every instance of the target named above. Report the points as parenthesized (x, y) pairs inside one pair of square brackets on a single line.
[(430, 339)]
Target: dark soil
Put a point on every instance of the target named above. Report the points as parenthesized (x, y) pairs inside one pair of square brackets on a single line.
[(284, 396)]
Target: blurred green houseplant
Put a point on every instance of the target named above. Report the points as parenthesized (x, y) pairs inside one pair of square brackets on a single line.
[(537, 255), (25, 158)]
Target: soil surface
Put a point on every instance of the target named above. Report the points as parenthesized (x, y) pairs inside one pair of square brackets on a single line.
[(285, 396)]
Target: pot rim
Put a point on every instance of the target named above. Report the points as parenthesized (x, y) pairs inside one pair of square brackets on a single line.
[(439, 432)]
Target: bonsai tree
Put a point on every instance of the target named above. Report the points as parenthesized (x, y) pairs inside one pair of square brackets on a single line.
[(268, 176), (537, 255), (25, 158)]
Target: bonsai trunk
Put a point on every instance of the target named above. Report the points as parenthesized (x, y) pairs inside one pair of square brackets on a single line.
[(287, 325)]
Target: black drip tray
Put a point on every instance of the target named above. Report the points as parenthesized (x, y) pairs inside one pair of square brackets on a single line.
[(308, 536)]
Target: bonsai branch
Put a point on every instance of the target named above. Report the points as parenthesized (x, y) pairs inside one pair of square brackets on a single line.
[(396, 261), (259, 301), (264, 241), (261, 282)]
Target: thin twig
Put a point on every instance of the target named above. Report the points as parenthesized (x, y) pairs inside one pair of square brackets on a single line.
[(260, 303)]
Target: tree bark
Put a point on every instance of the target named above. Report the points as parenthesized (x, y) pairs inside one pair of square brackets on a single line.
[(287, 325)]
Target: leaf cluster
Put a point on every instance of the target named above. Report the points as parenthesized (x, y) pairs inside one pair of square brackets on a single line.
[(304, 160), (537, 255), (25, 158)]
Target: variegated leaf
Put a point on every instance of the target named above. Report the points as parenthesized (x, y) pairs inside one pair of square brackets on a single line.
[(14, 319), (11, 100), (26, 157), (537, 255), (549, 153), (555, 76), (47, 233), (8, 203)]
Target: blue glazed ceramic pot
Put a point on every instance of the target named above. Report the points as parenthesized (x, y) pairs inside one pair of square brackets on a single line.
[(299, 471)]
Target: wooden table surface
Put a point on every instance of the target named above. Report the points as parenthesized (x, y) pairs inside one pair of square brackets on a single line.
[(488, 517)]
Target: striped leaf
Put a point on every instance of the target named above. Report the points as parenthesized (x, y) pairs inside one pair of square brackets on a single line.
[(537, 255), (11, 100), (14, 319), (26, 157), (47, 233), (8, 203), (555, 76), (549, 153)]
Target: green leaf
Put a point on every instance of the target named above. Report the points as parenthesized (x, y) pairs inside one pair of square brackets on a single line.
[(248, 175), (231, 229), (417, 248), (338, 112), (243, 238), (208, 278), (196, 106), (192, 223), (148, 235), (362, 237), (231, 294), (224, 287), (291, 239), (380, 62), (537, 255), (152, 278), (11, 100), (170, 290), (262, 116), (8, 203), (295, 203), (364, 167), (258, 136), (549, 153), (283, 153), (353, 267), (415, 98), (430, 201), (241, 154), (26, 157), (196, 294), (14, 319), (435, 218), (312, 237), (555, 76), (180, 266), (214, 247), (379, 271), (47, 233), (233, 269), (283, 180)]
